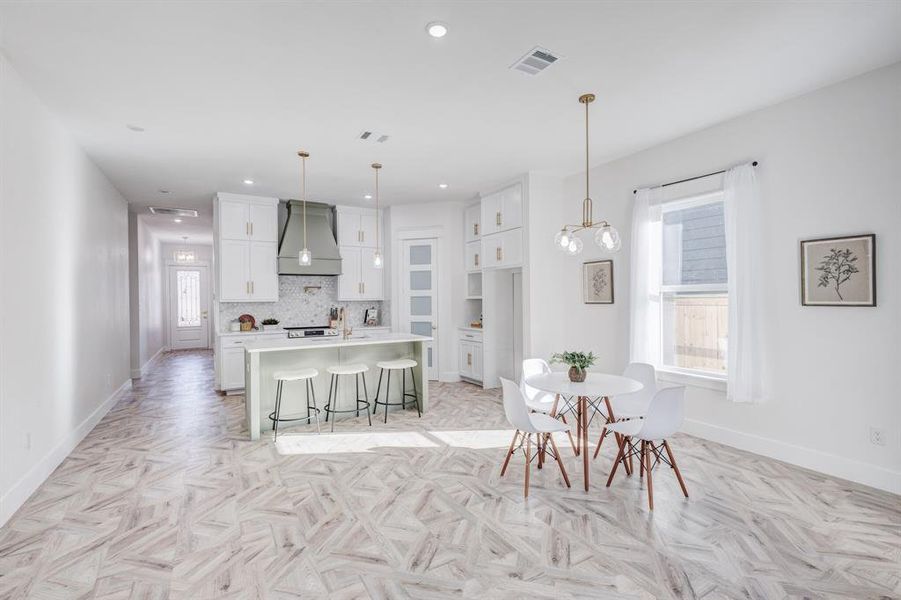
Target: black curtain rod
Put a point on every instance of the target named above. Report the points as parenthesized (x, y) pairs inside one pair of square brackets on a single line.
[(753, 164)]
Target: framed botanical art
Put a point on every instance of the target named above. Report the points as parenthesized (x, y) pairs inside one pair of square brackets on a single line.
[(597, 282), (839, 271)]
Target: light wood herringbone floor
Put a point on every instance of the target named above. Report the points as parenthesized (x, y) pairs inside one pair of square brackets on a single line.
[(167, 499)]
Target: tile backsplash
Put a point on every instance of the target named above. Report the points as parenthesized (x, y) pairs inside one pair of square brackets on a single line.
[(297, 307)]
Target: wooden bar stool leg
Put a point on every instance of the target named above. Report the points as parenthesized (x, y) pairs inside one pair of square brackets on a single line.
[(672, 460), (641, 462), (509, 453)]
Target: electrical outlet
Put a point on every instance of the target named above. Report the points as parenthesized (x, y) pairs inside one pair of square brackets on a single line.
[(28, 441), (877, 436)]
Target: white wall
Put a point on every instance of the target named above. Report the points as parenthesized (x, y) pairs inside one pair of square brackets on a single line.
[(446, 219), (147, 310), (63, 292), (830, 164)]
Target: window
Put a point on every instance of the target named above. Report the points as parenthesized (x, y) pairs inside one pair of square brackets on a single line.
[(188, 283), (694, 301)]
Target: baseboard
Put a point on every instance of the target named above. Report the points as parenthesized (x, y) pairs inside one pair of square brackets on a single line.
[(815, 460), (32, 480), (138, 373)]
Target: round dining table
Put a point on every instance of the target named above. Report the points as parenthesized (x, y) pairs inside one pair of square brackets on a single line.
[(596, 385)]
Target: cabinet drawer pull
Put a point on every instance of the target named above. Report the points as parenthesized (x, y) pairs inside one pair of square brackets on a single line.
[(498, 219)]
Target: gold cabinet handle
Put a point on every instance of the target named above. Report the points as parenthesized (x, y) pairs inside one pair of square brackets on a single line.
[(362, 236), (247, 228), (477, 260), (359, 287), (247, 287), (498, 218), (499, 253), (363, 287), (469, 359), (251, 229), (475, 229), (251, 287)]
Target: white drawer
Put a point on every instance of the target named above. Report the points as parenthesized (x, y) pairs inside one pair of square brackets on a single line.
[(229, 342), (467, 335)]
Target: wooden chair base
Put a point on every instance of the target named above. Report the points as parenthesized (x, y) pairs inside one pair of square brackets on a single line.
[(524, 442), (649, 456)]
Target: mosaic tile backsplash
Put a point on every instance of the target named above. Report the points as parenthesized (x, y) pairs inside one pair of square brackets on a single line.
[(295, 307)]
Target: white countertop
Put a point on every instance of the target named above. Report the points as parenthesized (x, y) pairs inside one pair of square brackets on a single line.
[(358, 339), (283, 332)]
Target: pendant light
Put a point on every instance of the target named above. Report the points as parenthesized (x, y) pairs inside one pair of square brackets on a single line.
[(605, 235), (305, 258), (377, 261)]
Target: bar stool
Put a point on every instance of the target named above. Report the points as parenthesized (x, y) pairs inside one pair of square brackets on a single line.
[(357, 371), (395, 365), (305, 375)]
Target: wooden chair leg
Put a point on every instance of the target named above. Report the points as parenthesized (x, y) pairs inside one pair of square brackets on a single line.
[(509, 453), (646, 453), (539, 445), (672, 460), (569, 432), (528, 463), (641, 465), (550, 438), (597, 450), (619, 457)]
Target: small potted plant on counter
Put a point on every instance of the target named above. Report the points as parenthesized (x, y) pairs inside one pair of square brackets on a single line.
[(270, 324), (577, 361)]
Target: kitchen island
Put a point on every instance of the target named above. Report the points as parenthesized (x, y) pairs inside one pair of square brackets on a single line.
[(264, 357)]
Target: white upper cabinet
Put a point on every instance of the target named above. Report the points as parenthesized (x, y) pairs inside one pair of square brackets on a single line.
[(357, 226), (359, 279), (246, 248), (474, 256), (502, 250), (473, 227), (502, 210)]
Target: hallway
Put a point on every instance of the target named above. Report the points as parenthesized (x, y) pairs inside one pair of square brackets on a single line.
[(165, 498)]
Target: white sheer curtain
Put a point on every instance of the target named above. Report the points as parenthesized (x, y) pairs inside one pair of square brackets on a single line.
[(746, 281), (644, 284)]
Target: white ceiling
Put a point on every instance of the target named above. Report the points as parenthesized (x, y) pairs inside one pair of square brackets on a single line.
[(230, 90)]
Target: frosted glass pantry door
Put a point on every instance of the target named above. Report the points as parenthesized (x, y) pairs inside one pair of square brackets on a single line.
[(419, 296)]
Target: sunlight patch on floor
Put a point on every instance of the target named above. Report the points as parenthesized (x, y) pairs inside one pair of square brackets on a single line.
[(334, 443)]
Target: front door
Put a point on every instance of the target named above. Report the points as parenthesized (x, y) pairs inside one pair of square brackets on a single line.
[(189, 298), (419, 300)]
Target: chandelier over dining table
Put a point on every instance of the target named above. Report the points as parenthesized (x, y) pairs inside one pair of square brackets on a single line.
[(605, 235)]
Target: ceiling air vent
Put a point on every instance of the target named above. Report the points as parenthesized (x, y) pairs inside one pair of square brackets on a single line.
[(535, 61), (177, 212), (371, 136)]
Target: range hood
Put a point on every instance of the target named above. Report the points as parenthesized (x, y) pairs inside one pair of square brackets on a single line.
[(320, 240)]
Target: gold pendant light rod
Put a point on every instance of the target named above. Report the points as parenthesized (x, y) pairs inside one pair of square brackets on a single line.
[(376, 167)]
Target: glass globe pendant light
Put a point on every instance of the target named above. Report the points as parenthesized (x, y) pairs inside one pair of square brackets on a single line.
[(305, 257), (377, 261), (606, 236)]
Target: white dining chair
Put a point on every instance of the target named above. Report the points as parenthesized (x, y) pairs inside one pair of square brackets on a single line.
[(543, 402), (634, 405), (663, 419), (527, 424)]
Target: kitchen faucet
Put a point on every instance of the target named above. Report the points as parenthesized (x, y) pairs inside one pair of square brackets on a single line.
[(342, 324)]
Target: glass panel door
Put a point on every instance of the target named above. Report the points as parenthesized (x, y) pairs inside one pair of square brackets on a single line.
[(419, 301)]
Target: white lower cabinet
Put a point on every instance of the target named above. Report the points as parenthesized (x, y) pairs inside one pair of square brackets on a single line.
[(230, 357), (471, 355)]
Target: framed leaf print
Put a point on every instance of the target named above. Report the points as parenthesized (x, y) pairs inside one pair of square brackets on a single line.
[(839, 271), (597, 282)]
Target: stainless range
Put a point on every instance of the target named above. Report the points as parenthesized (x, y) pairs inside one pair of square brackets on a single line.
[(311, 332)]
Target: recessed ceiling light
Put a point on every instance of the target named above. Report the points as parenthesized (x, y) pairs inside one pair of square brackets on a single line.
[(443, 186), (165, 191), (436, 29), (177, 220), (133, 127), (248, 182), (367, 196)]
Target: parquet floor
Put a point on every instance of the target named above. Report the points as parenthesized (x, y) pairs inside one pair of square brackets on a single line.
[(167, 499)]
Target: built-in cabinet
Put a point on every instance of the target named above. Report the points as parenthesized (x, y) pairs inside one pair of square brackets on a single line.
[(473, 256), (246, 248), (359, 279), (473, 223), (470, 343), (502, 210), (502, 250)]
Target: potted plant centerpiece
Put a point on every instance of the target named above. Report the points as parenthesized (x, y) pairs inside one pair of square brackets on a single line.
[(270, 324), (577, 361)]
